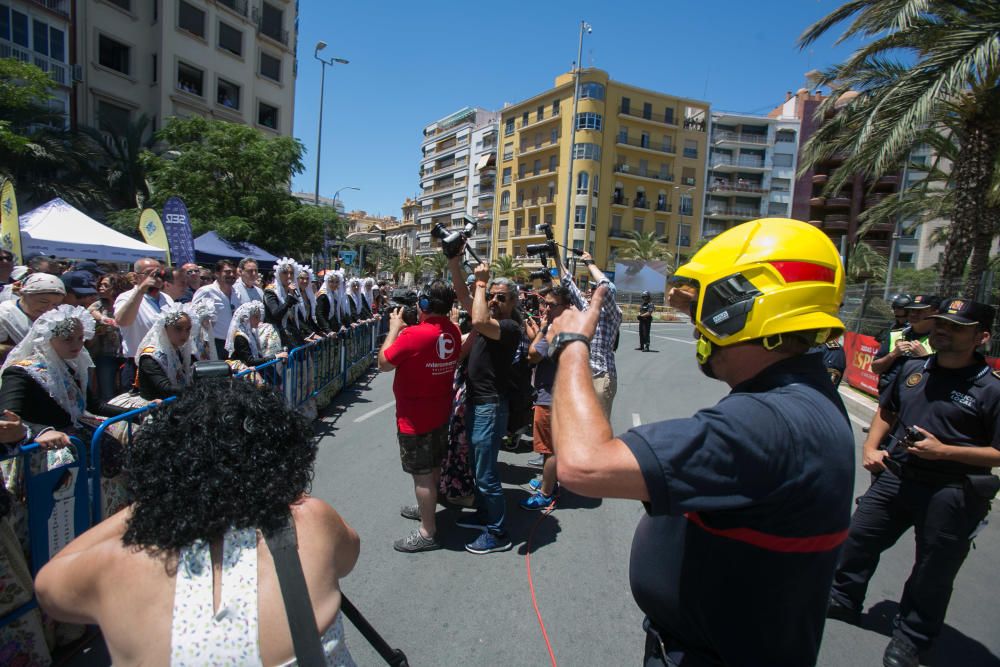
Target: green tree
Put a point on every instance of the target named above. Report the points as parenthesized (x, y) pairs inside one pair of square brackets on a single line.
[(24, 93), (121, 160), (932, 64), (437, 265), (865, 263), (646, 247), (505, 266), (415, 265)]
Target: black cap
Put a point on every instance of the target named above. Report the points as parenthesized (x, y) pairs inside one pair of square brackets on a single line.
[(92, 267), (901, 301), (80, 283), (967, 311), (34, 255), (923, 301)]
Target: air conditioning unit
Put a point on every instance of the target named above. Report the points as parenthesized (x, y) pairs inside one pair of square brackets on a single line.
[(77, 73)]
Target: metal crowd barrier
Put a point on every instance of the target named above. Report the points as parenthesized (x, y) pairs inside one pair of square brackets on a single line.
[(56, 508), (315, 367)]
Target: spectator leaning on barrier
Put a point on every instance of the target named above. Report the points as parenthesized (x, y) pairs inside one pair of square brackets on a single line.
[(281, 300), (200, 506), (488, 390), (942, 417), (137, 309), (224, 298), (913, 340), (308, 328), (747, 502), (242, 342), (40, 293), (330, 304), (602, 348), (166, 355), (424, 357)]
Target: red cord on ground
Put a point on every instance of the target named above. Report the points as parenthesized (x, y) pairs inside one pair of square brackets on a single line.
[(531, 584)]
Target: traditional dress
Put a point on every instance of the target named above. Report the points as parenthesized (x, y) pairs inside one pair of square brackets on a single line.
[(202, 312), (282, 311)]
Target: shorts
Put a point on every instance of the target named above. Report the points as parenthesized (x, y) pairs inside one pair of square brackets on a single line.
[(606, 387), (541, 439), (422, 453)]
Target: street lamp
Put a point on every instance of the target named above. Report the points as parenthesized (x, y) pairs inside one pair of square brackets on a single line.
[(584, 27), (320, 45), (326, 249)]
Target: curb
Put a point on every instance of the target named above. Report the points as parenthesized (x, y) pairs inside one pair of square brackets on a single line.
[(861, 407)]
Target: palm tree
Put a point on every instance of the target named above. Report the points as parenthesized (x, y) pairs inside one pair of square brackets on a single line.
[(928, 65), (437, 264), (646, 247), (121, 149), (866, 263), (505, 266), (415, 265)]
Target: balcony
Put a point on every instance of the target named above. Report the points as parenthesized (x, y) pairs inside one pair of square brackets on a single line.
[(238, 6), (440, 169), (638, 172), (535, 173), (820, 179), (694, 124), (537, 201), (664, 208), (619, 200), (874, 200), (55, 69), (836, 221), (641, 202), (691, 153), (547, 119), (739, 138), (273, 31), (657, 118), (727, 163), (733, 213), (664, 147), (738, 188), (528, 147), (892, 181), (817, 201), (442, 188), (838, 201), (619, 234), (57, 6)]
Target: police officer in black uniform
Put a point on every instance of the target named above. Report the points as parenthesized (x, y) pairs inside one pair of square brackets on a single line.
[(942, 414), (834, 359), (645, 321), (906, 342), (747, 502)]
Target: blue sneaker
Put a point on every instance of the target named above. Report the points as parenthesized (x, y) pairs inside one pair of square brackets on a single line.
[(488, 543), (471, 521), (536, 485), (538, 501)]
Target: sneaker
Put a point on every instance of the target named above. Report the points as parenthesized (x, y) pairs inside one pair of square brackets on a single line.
[(488, 543), (899, 653), (410, 512), (415, 542), (537, 461), (841, 612), (471, 521), (538, 501), (536, 485)]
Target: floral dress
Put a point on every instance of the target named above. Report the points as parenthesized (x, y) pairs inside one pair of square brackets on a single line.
[(458, 483)]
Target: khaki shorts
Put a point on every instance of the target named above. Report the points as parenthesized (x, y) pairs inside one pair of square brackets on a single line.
[(422, 453), (606, 388), (541, 430)]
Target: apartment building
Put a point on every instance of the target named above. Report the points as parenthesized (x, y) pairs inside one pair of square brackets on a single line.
[(458, 176), (232, 60), (646, 149), (39, 32), (751, 169), (309, 199), (401, 236)]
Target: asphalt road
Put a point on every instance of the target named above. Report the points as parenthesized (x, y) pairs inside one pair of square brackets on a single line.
[(452, 607)]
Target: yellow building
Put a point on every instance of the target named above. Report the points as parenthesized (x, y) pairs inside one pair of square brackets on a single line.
[(639, 166)]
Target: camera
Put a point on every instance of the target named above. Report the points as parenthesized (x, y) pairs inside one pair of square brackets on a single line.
[(546, 229), (912, 436), (542, 275), (547, 249), (207, 370), (407, 300), (452, 242)]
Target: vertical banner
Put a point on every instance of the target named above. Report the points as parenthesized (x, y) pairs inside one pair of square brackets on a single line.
[(860, 351), (10, 229), (178, 226), (153, 232)]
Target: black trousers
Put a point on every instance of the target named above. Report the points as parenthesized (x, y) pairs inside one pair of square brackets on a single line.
[(943, 519), (645, 324)]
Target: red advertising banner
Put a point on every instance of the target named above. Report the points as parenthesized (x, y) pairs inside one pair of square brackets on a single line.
[(860, 351)]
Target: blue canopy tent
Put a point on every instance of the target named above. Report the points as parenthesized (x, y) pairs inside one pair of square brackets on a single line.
[(210, 247)]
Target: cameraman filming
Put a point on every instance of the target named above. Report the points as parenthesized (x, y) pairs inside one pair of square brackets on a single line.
[(424, 356), (489, 385)]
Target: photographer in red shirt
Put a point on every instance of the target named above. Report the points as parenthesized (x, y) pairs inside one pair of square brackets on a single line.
[(424, 356)]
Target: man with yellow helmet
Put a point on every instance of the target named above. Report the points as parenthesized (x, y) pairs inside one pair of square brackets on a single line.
[(747, 502)]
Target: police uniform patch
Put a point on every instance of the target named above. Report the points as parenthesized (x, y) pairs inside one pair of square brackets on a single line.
[(914, 379)]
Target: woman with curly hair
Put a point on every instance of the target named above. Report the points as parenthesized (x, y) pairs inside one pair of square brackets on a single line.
[(210, 473)]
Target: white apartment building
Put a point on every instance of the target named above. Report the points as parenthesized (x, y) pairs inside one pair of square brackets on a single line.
[(458, 176), (750, 169), (232, 60), (38, 32)]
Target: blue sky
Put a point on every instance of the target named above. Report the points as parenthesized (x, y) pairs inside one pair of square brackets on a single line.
[(415, 62)]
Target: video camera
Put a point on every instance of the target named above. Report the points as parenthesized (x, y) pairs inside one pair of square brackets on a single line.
[(407, 300), (453, 242), (549, 248)]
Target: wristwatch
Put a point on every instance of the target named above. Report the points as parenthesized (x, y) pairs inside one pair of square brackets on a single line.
[(561, 340)]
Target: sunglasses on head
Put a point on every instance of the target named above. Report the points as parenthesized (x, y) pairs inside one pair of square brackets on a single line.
[(499, 296)]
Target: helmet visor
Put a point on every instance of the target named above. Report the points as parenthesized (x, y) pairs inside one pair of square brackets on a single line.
[(726, 304)]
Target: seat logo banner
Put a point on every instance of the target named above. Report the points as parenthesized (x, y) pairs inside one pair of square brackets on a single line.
[(178, 226), (10, 229), (860, 351), (153, 232)]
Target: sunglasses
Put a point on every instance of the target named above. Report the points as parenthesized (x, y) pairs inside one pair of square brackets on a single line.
[(206, 279), (192, 272), (499, 296)]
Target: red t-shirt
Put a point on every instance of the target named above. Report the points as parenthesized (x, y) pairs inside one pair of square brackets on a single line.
[(425, 356)]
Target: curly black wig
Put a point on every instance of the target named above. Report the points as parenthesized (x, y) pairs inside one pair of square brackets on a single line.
[(226, 454)]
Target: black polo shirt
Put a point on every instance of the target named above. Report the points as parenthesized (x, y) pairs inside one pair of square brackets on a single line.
[(490, 369), (960, 406), (750, 502)]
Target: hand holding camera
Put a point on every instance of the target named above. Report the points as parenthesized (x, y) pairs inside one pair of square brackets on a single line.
[(482, 273)]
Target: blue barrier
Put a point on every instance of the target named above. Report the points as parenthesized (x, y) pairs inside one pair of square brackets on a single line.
[(56, 507)]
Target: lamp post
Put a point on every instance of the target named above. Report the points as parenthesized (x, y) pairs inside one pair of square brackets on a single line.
[(326, 249), (320, 45), (584, 27)]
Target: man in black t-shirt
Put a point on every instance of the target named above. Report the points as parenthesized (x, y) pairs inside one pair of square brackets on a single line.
[(489, 385)]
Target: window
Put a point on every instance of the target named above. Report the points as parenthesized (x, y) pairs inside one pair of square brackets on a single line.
[(190, 80), (668, 115), (687, 176), (501, 251), (508, 151), (272, 22), (580, 218), (536, 167), (540, 112), (19, 28), (505, 201), (637, 224), (113, 55), (777, 209), (190, 18), (111, 117), (506, 176), (785, 136), (267, 115), (593, 188), (644, 140), (905, 257), (686, 207), (591, 91), (783, 159), (626, 105), (270, 67), (555, 107), (156, 10), (781, 184), (661, 229), (578, 245), (524, 119), (586, 152), (623, 135), (690, 148), (230, 39), (616, 223), (684, 234), (647, 111), (553, 162), (509, 126), (41, 36), (4, 22), (589, 121), (582, 182), (521, 170)]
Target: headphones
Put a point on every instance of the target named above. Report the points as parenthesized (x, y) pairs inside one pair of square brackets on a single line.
[(425, 301)]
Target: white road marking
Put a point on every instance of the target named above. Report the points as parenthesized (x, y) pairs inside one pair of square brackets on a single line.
[(676, 340), (636, 419), (372, 413)]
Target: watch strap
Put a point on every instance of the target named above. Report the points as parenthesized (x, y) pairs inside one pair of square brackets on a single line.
[(563, 339)]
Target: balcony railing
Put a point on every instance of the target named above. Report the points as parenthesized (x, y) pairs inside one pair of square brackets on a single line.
[(664, 208), (694, 124), (665, 147), (527, 146), (619, 200), (641, 203), (740, 138), (57, 70), (726, 161), (633, 170), (238, 6), (691, 153), (535, 201), (535, 172), (531, 123), (725, 186), (720, 212), (442, 188), (664, 118), (57, 6)]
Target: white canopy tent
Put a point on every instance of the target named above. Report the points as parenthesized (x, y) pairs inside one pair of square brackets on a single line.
[(56, 228)]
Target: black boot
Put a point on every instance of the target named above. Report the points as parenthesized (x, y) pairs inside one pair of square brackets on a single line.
[(901, 653)]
